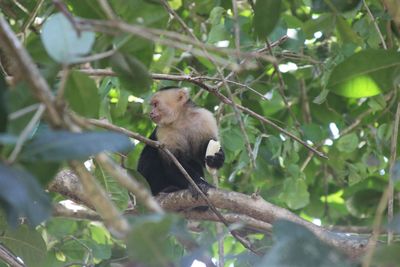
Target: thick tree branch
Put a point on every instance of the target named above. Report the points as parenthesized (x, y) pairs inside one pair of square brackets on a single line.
[(259, 209)]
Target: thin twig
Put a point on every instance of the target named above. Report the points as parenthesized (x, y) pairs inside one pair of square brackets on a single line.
[(375, 24), (105, 6), (376, 228), (26, 132), (32, 16), (282, 86), (95, 57), (392, 162), (236, 27), (19, 113), (61, 87)]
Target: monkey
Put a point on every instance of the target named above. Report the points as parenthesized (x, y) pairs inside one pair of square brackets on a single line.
[(185, 129)]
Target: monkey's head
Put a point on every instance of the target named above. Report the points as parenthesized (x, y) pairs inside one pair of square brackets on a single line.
[(167, 105)]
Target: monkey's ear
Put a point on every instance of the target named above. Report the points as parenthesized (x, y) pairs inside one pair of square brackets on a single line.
[(183, 95)]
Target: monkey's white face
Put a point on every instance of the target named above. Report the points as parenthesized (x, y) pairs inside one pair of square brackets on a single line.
[(166, 107)]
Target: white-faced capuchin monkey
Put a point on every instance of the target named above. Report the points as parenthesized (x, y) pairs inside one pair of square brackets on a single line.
[(186, 130)]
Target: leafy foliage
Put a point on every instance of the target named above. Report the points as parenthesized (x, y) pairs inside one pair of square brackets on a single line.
[(333, 84)]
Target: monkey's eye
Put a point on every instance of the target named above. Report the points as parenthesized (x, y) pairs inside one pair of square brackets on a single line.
[(154, 104)]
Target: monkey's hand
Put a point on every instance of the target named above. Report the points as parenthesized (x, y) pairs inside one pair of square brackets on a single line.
[(214, 156), (203, 185)]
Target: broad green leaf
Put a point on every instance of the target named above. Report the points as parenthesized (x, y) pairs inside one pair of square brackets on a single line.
[(346, 33), (233, 139), (364, 74), (217, 33), (347, 143), (86, 9), (17, 99), (148, 241), (44, 171), (62, 145), (334, 5), (313, 132), (324, 23), (117, 193), (59, 228), (62, 41), (295, 193), (148, 13), (266, 16), (27, 244), (216, 15), (132, 73), (21, 195), (82, 94)]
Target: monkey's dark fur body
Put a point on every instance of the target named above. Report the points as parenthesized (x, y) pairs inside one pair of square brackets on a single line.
[(164, 176)]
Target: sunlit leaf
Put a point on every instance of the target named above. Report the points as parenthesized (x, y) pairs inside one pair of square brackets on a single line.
[(63, 42), (364, 74)]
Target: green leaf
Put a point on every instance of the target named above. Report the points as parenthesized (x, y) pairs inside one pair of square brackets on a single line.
[(324, 23), (266, 16), (295, 193), (313, 132), (27, 244), (148, 241), (334, 5), (364, 74), (117, 193), (348, 143), (132, 73), (216, 15), (144, 12), (17, 99), (346, 33), (21, 195), (63, 145), (217, 33), (82, 95), (62, 42)]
